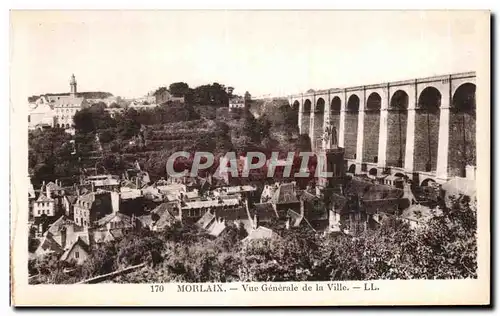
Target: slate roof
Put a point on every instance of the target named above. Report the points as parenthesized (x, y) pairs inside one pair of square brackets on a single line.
[(166, 211), (87, 198), (306, 196), (295, 218), (457, 186), (260, 233), (216, 228), (211, 203), (65, 100), (60, 224), (205, 220), (71, 199), (48, 244), (125, 219), (52, 186), (369, 191), (417, 213), (284, 194), (232, 213), (264, 211), (43, 198), (80, 242)]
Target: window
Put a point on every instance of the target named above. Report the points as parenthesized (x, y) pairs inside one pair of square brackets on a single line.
[(77, 254)]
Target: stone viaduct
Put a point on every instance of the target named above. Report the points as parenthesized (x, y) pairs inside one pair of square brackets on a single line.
[(423, 128)]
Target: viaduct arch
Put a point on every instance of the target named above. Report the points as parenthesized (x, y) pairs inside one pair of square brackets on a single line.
[(424, 128)]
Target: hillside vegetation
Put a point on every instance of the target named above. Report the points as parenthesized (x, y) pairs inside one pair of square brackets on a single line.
[(150, 136)]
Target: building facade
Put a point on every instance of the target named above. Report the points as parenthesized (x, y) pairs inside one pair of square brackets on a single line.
[(56, 110), (236, 103)]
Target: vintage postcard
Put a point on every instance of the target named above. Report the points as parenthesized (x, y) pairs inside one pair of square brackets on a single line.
[(250, 158)]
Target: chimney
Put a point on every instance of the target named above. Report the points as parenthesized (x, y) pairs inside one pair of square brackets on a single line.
[(255, 223), (47, 191), (63, 237), (115, 202)]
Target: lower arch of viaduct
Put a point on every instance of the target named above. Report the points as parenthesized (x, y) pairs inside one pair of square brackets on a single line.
[(422, 127)]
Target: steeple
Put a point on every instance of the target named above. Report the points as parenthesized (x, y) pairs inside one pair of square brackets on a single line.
[(72, 84)]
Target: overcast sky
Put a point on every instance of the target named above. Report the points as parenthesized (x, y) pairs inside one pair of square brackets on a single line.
[(264, 52)]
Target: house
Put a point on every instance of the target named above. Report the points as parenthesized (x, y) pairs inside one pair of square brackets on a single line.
[(64, 231), (104, 236), (263, 213), (458, 187), (314, 210), (44, 206), (93, 206), (31, 190), (260, 232), (49, 246), (418, 215), (295, 219), (165, 215), (68, 202), (211, 224), (237, 191), (54, 189), (115, 221), (173, 191), (78, 252), (114, 112), (236, 103), (65, 108), (283, 197), (192, 211), (152, 193), (40, 114), (66, 105), (104, 182), (163, 96)]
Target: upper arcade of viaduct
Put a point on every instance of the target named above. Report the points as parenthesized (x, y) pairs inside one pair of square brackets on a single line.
[(424, 125)]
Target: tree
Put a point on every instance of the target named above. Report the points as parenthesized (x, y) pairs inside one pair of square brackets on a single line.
[(50, 155), (138, 247), (179, 89), (84, 122), (214, 94), (102, 260)]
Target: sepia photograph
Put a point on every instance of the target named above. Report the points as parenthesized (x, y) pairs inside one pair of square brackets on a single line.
[(250, 157)]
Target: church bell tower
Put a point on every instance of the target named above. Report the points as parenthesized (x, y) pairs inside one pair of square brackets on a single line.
[(72, 84)]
